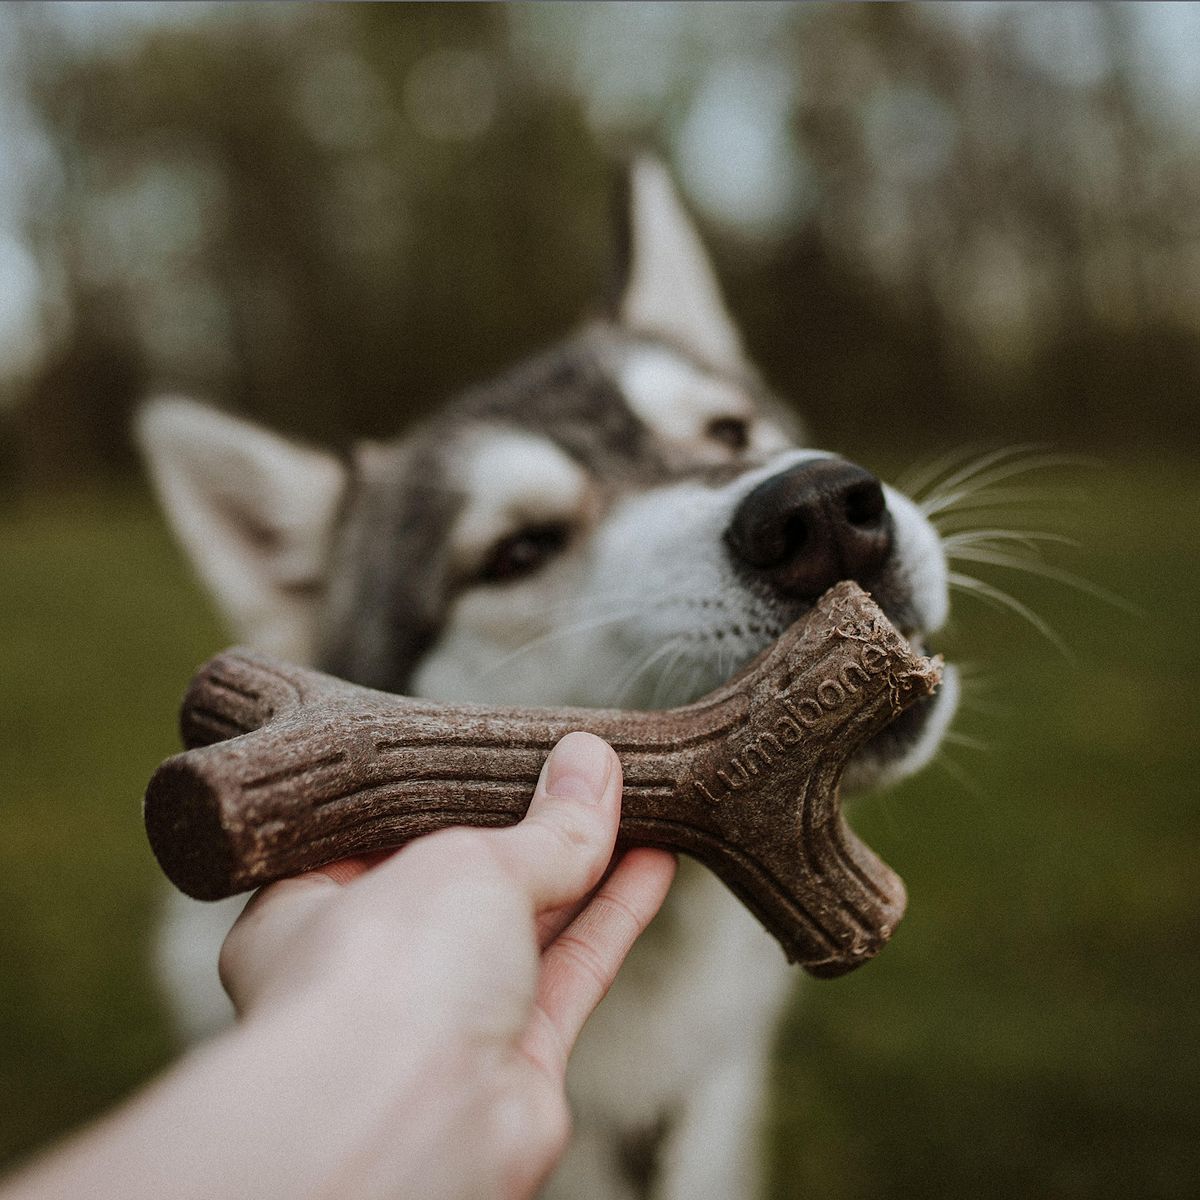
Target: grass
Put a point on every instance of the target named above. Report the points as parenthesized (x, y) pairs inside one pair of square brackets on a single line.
[(1031, 1031), (101, 629)]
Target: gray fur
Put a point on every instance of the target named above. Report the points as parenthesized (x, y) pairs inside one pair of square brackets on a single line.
[(389, 587), (366, 570), (388, 583)]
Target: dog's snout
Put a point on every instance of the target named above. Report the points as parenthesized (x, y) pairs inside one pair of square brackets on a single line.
[(812, 525)]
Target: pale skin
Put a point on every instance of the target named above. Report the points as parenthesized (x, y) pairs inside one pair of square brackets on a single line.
[(405, 1021)]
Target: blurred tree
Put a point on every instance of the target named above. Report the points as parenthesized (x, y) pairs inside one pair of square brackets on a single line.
[(971, 220)]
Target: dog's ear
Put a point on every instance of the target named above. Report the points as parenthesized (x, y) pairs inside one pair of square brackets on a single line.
[(669, 287), (254, 511)]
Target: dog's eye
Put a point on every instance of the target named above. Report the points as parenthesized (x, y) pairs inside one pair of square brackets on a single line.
[(733, 432), (523, 552)]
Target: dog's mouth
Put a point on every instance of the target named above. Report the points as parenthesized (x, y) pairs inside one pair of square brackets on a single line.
[(902, 733), (910, 740), (902, 746)]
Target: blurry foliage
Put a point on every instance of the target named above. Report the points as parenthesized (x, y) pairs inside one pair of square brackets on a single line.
[(935, 222), (1028, 1033), (330, 217)]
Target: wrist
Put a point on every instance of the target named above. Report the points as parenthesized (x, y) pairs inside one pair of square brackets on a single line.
[(462, 1104)]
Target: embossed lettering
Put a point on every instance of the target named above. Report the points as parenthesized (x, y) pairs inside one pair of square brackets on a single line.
[(789, 731), (809, 719), (726, 779), (705, 793), (873, 658), (756, 747), (760, 756), (845, 677)]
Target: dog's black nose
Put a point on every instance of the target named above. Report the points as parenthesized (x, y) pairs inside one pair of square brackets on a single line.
[(811, 526)]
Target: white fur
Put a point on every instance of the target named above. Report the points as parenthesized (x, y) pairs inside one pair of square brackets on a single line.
[(678, 400), (253, 510), (643, 609), (919, 552), (672, 290), (510, 479), (688, 1027), (653, 572), (589, 619)]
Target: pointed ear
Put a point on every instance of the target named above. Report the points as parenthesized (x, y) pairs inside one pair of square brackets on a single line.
[(670, 287), (254, 511)]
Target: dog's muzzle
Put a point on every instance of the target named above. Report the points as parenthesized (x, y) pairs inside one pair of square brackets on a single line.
[(811, 526)]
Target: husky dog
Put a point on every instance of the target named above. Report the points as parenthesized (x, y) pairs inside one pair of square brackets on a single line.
[(624, 520)]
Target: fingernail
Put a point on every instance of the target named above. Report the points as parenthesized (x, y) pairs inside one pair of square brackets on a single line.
[(578, 768)]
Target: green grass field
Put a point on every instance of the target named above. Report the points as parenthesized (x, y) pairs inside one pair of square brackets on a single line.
[(1032, 1030)]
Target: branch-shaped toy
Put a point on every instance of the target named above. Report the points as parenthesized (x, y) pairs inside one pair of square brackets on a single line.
[(288, 769)]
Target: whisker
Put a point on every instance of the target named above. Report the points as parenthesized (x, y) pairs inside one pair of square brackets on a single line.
[(661, 689), (1034, 462), (995, 497), (960, 776), (974, 703), (924, 474), (974, 468), (1025, 537), (627, 682), (598, 612), (987, 480), (722, 671), (604, 601), (965, 740), (686, 690), (974, 670), (882, 803), (999, 503), (554, 635), (977, 478), (999, 471), (1046, 571), (987, 591)]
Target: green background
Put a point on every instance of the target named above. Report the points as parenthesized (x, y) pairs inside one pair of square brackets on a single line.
[(989, 237), (1031, 1030)]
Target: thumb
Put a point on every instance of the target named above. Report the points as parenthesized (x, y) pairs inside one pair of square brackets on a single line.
[(561, 849)]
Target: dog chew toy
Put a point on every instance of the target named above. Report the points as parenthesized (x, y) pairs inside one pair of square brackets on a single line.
[(288, 769)]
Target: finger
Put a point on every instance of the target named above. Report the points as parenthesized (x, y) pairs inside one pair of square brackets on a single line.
[(561, 848), (553, 921), (347, 870), (579, 967), (275, 914), (342, 871), (271, 919), (289, 902)]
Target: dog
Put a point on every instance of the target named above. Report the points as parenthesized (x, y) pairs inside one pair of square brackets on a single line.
[(624, 520)]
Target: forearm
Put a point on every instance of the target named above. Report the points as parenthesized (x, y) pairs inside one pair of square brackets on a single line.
[(408, 1027), (290, 1106)]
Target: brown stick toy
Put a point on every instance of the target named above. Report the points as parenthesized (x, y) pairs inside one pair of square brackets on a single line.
[(289, 769)]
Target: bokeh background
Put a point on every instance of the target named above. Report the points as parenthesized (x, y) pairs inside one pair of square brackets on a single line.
[(948, 230)]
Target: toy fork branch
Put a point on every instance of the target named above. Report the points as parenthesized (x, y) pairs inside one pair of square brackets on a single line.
[(288, 769)]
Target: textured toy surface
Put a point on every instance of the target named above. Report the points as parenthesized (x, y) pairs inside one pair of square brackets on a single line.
[(288, 769)]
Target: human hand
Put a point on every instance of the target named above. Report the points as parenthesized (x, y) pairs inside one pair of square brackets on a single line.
[(468, 963), (407, 1019)]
